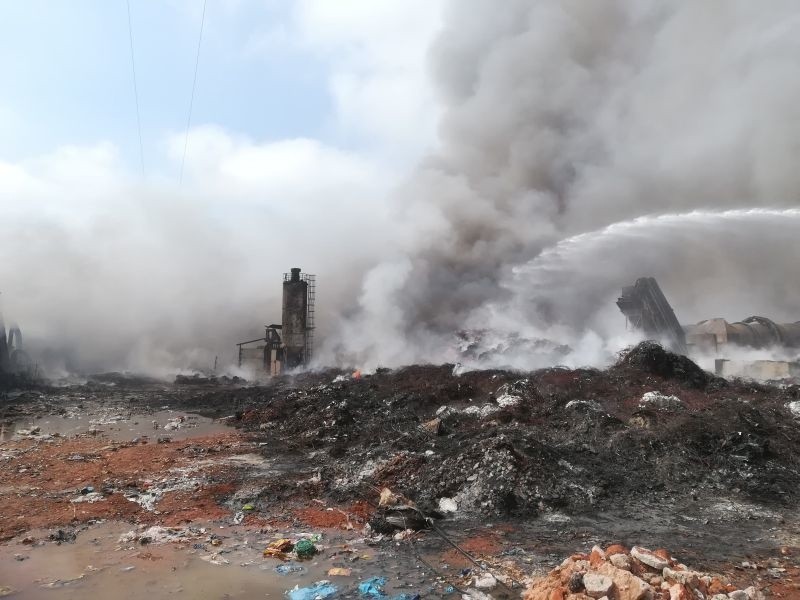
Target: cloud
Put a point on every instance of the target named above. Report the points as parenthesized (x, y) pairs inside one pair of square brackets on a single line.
[(376, 57), (103, 271)]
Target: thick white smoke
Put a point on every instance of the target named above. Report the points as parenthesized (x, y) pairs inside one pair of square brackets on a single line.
[(104, 272), (564, 116), (557, 118)]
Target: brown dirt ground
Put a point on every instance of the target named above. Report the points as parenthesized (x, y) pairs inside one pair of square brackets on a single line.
[(38, 479)]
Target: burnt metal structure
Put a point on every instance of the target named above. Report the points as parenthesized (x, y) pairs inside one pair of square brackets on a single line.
[(294, 319), (647, 309), (13, 358), (290, 344), (753, 332)]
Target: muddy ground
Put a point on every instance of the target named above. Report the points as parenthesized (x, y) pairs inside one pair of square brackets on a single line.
[(517, 469)]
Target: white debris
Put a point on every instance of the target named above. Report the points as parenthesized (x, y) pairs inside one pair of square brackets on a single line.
[(583, 404), (481, 411), (597, 585), (444, 411), (175, 423), (794, 408), (448, 505), (485, 582), (215, 559), (340, 378), (157, 535), (148, 499), (508, 400), (660, 401), (649, 558), (91, 498)]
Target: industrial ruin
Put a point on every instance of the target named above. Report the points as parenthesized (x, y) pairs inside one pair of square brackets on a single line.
[(290, 344), (13, 359), (646, 309)]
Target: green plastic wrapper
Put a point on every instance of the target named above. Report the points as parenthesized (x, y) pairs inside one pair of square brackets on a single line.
[(305, 549)]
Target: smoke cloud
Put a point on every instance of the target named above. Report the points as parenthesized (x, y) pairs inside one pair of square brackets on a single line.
[(557, 119), (562, 117), (104, 272)]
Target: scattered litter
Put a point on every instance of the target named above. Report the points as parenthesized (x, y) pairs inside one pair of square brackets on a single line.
[(215, 559), (90, 498), (485, 582), (305, 549), (288, 568), (316, 591), (159, 535), (279, 549), (372, 587), (339, 572)]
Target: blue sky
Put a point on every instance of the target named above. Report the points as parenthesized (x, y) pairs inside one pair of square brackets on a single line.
[(67, 74)]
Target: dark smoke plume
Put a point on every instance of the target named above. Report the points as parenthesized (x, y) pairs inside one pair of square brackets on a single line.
[(565, 116)]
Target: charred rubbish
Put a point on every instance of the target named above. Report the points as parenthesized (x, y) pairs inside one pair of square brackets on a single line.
[(652, 451), (646, 309)]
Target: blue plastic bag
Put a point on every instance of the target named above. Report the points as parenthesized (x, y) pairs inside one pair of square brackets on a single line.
[(315, 591), (372, 587)]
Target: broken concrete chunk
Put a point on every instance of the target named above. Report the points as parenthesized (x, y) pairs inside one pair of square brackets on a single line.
[(621, 561), (597, 585), (627, 586), (575, 583), (754, 593), (679, 592), (690, 578), (738, 595), (486, 582), (649, 558)]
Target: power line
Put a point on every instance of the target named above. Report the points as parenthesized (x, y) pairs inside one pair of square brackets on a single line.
[(194, 85), (135, 88)]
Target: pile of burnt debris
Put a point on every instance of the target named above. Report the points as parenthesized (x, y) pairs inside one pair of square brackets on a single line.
[(654, 428)]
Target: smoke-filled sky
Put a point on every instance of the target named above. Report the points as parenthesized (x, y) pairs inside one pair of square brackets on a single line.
[(415, 155)]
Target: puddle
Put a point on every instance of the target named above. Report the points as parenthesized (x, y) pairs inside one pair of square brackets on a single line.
[(119, 426), (97, 565)]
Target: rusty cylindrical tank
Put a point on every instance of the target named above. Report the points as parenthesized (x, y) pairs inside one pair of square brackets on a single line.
[(293, 322)]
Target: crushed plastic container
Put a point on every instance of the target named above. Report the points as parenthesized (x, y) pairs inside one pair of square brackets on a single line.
[(288, 568)]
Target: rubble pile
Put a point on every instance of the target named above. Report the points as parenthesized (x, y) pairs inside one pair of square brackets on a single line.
[(505, 443), (617, 573)]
